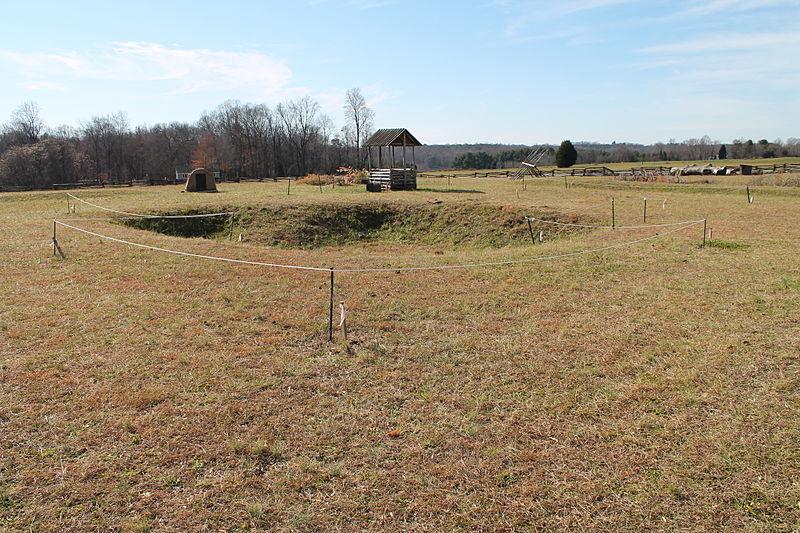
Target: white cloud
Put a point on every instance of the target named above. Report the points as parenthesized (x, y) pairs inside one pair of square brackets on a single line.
[(577, 6), (524, 16), (708, 7), (733, 81), (358, 5), (186, 69), (44, 86), (718, 43)]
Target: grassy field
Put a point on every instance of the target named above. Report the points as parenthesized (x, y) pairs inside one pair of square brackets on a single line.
[(650, 386)]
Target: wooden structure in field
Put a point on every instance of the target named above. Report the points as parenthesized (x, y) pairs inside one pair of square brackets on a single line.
[(391, 177), (530, 164)]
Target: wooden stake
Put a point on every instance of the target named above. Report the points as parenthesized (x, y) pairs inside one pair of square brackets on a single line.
[(68, 207), (343, 319), (288, 186), (56, 247), (644, 217), (530, 229), (230, 234), (613, 215), (330, 311), (705, 231), (566, 185), (319, 179)]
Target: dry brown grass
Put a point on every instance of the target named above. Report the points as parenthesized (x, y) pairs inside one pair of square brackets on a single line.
[(318, 179), (650, 387)]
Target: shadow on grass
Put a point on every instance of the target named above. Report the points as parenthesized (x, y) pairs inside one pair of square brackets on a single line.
[(471, 191)]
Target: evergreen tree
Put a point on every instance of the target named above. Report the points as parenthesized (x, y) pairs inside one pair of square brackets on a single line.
[(567, 155), (723, 152)]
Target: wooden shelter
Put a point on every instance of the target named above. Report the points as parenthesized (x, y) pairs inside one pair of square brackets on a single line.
[(390, 176)]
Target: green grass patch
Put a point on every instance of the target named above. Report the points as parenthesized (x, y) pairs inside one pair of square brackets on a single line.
[(726, 245), (792, 284), (184, 227), (313, 226)]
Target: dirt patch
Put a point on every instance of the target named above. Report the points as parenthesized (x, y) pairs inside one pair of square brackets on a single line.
[(312, 226)]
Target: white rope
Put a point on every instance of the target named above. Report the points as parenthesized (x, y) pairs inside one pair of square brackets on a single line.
[(642, 226), (121, 218), (138, 215), (383, 269), (518, 261), (189, 254)]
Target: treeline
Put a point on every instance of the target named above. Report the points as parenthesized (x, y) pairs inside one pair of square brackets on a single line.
[(688, 150), (483, 160), (292, 138), (238, 139), (489, 156)]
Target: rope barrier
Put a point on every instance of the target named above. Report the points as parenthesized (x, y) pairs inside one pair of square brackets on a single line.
[(138, 215), (382, 269), (120, 218), (641, 226), (189, 254), (520, 261)]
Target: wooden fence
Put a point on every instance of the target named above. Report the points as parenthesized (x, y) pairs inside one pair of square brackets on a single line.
[(596, 171), (787, 168)]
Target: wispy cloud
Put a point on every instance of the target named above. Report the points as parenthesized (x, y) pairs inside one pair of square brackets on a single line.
[(525, 15), (359, 5), (709, 7), (708, 72), (44, 86), (185, 69), (717, 43)]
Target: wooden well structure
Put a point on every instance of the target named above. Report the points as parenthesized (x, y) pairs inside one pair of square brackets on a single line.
[(384, 172)]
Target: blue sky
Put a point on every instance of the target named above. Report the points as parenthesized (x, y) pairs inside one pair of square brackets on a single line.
[(516, 71)]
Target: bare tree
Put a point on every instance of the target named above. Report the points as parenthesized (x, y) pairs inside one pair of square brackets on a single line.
[(300, 127), (326, 127), (107, 138), (26, 123), (359, 117)]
